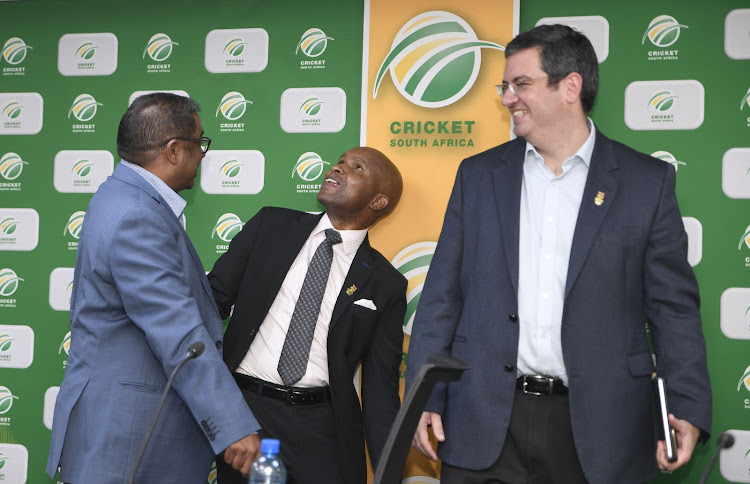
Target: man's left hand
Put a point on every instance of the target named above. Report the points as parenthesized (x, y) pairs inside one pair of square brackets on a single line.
[(687, 436)]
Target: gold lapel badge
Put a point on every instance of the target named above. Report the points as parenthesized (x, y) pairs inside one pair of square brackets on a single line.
[(351, 290), (599, 198)]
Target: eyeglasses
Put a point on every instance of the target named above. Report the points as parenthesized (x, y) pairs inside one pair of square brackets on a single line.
[(203, 141), (515, 87)]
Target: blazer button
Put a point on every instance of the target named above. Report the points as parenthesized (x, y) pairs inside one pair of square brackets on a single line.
[(253, 331), (513, 317), (219, 345), (509, 368)]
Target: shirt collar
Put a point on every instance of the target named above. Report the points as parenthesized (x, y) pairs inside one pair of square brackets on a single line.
[(350, 239), (584, 152), (175, 201)]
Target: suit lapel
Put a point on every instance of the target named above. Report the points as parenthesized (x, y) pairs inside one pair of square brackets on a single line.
[(128, 175), (507, 178), (360, 270), (602, 179)]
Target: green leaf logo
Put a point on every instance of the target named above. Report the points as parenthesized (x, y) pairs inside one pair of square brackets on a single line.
[(12, 110), (227, 227), (231, 168), (663, 31), (8, 282), (232, 106), (11, 166), (74, 225), (65, 345), (86, 50), (159, 47), (14, 50), (311, 106), (313, 43), (6, 400), (82, 168), (235, 47), (84, 108), (309, 166), (662, 100), (8, 225), (413, 263), (6, 341), (434, 59)]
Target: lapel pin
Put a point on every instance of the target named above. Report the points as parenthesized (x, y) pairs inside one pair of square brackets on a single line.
[(351, 290), (599, 198)]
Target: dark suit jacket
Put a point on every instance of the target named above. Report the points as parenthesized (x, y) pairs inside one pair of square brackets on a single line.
[(250, 275), (628, 261)]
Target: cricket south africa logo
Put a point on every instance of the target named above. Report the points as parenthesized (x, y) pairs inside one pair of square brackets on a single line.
[(8, 225), (232, 106), (84, 108), (662, 100), (434, 59), (745, 100), (74, 225), (14, 51), (668, 157), (65, 345), (6, 400), (311, 106), (82, 168), (235, 47), (6, 341), (227, 227), (313, 43), (86, 51), (413, 263), (309, 166), (8, 282), (231, 168), (11, 166), (745, 380), (663, 31), (159, 47), (12, 110), (745, 239)]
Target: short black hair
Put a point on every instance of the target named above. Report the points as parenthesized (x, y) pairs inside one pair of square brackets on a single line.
[(151, 119), (562, 50)]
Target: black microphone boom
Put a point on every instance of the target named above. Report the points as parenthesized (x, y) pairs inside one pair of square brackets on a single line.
[(724, 441), (194, 351)]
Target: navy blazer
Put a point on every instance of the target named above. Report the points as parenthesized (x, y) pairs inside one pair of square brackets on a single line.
[(628, 261), (250, 275)]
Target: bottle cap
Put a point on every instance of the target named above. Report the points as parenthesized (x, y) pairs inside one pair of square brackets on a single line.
[(269, 446)]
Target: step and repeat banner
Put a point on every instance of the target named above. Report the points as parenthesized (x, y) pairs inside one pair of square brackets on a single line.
[(286, 88)]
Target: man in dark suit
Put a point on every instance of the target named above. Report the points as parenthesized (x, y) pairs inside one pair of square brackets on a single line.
[(358, 318), (554, 248)]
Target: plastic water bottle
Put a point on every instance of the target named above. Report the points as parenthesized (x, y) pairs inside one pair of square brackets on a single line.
[(268, 468)]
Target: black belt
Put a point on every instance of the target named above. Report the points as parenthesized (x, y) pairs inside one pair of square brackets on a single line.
[(541, 385), (289, 395)]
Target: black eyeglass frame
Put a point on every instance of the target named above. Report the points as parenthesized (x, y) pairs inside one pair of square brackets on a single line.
[(200, 141)]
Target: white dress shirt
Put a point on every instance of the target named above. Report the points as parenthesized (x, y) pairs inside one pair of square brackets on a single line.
[(262, 359), (549, 211)]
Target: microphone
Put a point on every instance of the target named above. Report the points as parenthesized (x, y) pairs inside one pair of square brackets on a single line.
[(193, 351), (724, 441)]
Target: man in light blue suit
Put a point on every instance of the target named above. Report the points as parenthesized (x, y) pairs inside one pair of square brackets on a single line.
[(140, 299), (555, 248)]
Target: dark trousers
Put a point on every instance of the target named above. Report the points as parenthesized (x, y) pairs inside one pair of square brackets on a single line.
[(538, 448), (309, 448)]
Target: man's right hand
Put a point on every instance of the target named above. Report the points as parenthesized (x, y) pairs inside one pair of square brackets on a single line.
[(242, 453), (421, 440)]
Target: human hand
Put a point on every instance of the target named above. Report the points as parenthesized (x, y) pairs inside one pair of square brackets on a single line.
[(242, 453), (687, 436), (421, 440)]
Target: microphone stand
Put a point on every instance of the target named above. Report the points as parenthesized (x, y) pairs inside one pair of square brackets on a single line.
[(724, 441), (193, 351)]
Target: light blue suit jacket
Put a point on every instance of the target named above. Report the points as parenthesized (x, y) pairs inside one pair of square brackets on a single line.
[(140, 298), (628, 261)]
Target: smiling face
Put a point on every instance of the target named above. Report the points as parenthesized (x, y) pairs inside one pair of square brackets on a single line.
[(538, 109), (357, 190)]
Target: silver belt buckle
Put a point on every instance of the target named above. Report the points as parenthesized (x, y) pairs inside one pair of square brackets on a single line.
[(550, 381)]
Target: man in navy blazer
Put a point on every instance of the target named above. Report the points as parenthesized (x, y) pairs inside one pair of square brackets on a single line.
[(318, 419), (140, 299), (555, 248)]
